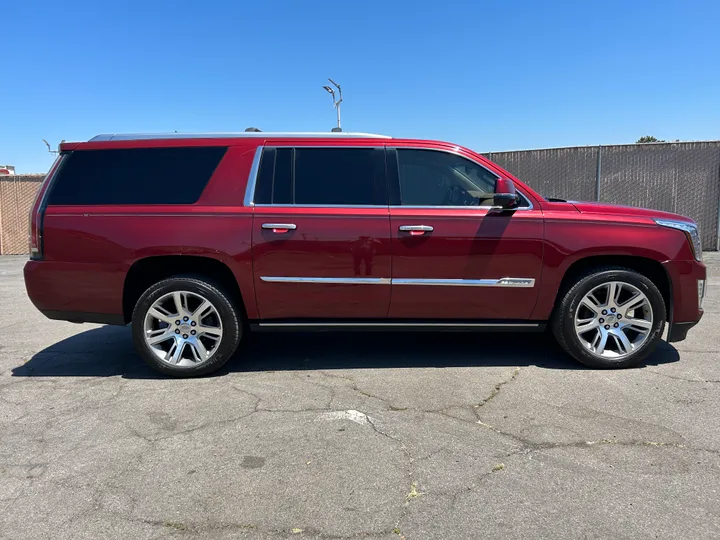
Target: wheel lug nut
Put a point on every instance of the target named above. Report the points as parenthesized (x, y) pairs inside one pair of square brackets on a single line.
[(177, 331), (185, 336), (619, 317), (607, 327), (604, 312), (185, 318), (613, 310), (616, 325), (602, 321), (177, 322), (193, 323), (193, 332)]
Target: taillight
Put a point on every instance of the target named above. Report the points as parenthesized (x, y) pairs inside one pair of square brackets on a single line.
[(37, 213)]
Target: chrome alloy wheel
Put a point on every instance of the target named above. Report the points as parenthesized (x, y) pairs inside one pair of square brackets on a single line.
[(613, 320), (183, 329)]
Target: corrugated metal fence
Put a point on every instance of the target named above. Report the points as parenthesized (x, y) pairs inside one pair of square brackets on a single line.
[(676, 177)]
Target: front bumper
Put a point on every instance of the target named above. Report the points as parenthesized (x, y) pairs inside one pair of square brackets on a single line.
[(678, 331), (685, 309)]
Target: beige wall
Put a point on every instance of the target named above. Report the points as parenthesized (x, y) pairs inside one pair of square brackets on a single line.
[(17, 193)]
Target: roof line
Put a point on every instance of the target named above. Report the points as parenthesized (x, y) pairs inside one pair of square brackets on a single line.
[(229, 135)]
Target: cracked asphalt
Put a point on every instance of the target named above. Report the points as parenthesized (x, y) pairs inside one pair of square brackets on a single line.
[(383, 436)]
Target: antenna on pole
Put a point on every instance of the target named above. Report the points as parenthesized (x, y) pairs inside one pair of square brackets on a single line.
[(53, 152), (336, 103)]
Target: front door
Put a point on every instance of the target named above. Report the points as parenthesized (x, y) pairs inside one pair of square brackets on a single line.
[(321, 234), (453, 257)]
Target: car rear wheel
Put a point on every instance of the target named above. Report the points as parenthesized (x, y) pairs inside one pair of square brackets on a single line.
[(185, 327), (610, 318)]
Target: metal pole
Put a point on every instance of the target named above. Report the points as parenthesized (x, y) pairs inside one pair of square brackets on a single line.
[(338, 102), (598, 174), (717, 239)]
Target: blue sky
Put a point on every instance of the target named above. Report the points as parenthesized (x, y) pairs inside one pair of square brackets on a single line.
[(491, 75)]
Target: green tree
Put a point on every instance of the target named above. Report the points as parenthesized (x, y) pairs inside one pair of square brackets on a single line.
[(647, 139)]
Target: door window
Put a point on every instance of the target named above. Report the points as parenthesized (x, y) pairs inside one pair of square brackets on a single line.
[(321, 176), (432, 178), (334, 176)]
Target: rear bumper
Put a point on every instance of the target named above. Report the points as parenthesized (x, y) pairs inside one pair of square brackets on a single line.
[(75, 292), (84, 317)]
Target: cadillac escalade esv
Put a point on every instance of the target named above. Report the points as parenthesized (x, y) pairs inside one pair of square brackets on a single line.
[(195, 239)]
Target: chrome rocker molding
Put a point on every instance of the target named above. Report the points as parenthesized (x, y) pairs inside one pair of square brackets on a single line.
[(408, 325), (501, 282)]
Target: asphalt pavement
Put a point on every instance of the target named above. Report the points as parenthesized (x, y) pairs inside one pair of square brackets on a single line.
[(377, 435)]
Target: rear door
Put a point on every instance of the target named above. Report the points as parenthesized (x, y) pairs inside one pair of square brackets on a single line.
[(321, 233), (453, 257)]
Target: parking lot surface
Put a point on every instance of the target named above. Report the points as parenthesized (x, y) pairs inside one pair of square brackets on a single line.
[(354, 436)]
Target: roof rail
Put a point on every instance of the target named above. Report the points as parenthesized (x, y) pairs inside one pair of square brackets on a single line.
[(231, 135)]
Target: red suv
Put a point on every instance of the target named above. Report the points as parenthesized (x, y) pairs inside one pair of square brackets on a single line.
[(194, 239)]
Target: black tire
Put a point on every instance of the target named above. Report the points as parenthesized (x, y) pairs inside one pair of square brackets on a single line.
[(228, 314), (563, 326)]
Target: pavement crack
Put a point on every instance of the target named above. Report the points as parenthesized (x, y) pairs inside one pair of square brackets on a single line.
[(497, 388), (354, 387), (527, 447), (677, 378)]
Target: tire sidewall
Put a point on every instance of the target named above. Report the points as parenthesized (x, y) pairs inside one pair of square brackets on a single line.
[(576, 294), (232, 329)]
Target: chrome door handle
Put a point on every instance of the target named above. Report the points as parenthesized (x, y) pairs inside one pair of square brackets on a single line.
[(416, 230), (279, 228)]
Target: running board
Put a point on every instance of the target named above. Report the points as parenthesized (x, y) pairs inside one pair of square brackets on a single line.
[(396, 326)]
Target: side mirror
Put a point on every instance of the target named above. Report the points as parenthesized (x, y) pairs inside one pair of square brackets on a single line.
[(505, 196)]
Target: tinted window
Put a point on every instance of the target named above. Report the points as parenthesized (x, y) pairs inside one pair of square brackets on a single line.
[(431, 178), (282, 187), (135, 176), (264, 184), (334, 176)]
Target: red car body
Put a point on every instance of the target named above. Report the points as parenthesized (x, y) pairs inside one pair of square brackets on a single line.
[(85, 254)]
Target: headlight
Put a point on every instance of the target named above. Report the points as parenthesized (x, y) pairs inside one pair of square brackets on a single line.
[(689, 229)]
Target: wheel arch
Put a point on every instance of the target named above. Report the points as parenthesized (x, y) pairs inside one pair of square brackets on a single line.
[(149, 270), (650, 268)]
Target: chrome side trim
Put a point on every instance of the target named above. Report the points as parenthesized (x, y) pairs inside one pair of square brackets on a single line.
[(516, 282), (501, 282), (335, 281), (252, 178), (486, 208), (396, 325), (233, 135), (288, 226), (478, 209), (385, 206)]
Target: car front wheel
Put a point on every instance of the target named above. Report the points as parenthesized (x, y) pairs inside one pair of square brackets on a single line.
[(610, 318), (185, 327)]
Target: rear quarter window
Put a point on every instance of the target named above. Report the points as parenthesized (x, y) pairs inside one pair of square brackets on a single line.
[(135, 176)]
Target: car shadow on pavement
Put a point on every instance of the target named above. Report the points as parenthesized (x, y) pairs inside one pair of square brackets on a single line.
[(108, 351)]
